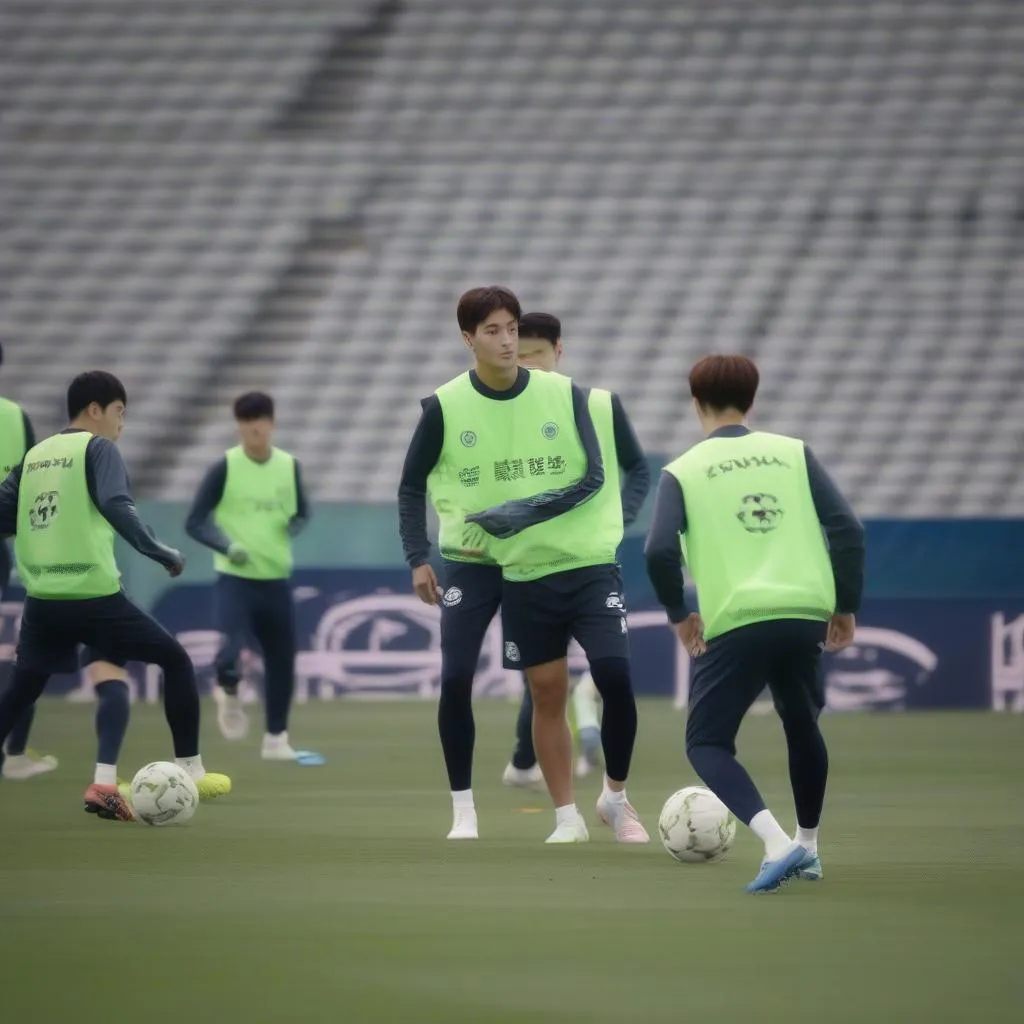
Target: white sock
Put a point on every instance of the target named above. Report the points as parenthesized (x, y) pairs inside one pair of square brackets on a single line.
[(769, 831), (566, 814), (612, 795), (193, 765), (276, 739), (807, 838), (462, 798), (105, 774)]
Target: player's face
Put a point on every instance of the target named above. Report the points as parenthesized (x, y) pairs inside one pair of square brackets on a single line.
[(496, 341), (256, 435), (539, 354), (110, 420)]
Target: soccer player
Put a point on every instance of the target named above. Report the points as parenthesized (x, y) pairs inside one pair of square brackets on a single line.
[(16, 437), (560, 579), (248, 508), (458, 454), (777, 556), (540, 348), (63, 505)]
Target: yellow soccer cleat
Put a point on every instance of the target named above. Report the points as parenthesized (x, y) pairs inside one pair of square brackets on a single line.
[(213, 785)]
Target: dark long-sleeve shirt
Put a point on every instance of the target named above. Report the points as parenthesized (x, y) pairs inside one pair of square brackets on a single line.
[(200, 525), (425, 450), (107, 480), (30, 434), (843, 531)]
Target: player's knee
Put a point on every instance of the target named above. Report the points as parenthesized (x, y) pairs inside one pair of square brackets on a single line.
[(456, 687), (549, 687), (175, 660), (612, 678)]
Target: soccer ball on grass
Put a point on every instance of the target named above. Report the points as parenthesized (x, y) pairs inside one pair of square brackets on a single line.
[(162, 793), (695, 826)]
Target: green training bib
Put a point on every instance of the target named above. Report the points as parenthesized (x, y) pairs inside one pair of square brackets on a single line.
[(12, 436)]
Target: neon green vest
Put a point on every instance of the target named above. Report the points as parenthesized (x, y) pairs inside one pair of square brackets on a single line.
[(753, 542), (259, 501), (496, 451), (12, 436), (64, 547)]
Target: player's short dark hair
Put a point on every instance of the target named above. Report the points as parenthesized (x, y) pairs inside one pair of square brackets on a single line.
[(540, 325), (94, 386), (725, 382), (479, 303), (254, 405)]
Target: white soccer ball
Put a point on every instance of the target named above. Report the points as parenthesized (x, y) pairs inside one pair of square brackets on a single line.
[(696, 826), (162, 793)]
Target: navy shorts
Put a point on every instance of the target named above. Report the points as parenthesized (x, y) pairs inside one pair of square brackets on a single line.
[(472, 595), (782, 654), (540, 617)]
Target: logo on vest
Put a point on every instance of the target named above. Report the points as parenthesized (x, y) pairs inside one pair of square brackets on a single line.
[(511, 651), (550, 430), (469, 476), (452, 597), (468, 438), (759, 513), (43, 511)]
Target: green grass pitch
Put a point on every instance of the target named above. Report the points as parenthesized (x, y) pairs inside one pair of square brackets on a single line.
[(330, 894)]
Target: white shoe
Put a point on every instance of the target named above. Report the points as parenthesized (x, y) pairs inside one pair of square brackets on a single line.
[(464, 824), (277, 748), (18, 767), (623, 819), (232, 720), (572, 831), (523, 778)]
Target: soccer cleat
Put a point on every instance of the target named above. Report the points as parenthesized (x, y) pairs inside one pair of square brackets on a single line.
[(107, 802), (232, 720), (622, 817), (464, 825), (572, 831), (18, 767), (213, 785), (810, 868), (277, 748), (523, 778), (774, 874)]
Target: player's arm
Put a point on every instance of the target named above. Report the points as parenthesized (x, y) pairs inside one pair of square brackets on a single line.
[(636, 474), (512, 517), (107, 479), (662, 550), (298, 522), (422, 456), (9, 503), (199, 524), (845, 535)]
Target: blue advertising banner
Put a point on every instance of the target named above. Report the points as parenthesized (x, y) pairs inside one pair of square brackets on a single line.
[(362, 634)]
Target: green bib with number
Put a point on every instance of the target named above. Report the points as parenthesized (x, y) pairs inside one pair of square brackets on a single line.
[(64, 547), (12, 436), (753, 542), (258, 503)]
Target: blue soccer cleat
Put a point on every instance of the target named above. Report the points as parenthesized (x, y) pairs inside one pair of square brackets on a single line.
[(775, 873), (810, 868)]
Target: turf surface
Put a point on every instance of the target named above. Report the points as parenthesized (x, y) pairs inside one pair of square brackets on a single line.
[(329, 894)]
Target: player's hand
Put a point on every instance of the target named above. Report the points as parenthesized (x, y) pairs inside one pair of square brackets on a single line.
[(177, 567), (424, 582), (238, 554), (691, 633), (841, 629)]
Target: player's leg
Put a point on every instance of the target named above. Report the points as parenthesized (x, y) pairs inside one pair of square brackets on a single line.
[(599, 625), (523, 771), (537, 639), (20, 762), (799, 694), (274, 629), (109, 681), (472, 594), (588, 725), (126, 633), (726, 680), (233, 616)]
